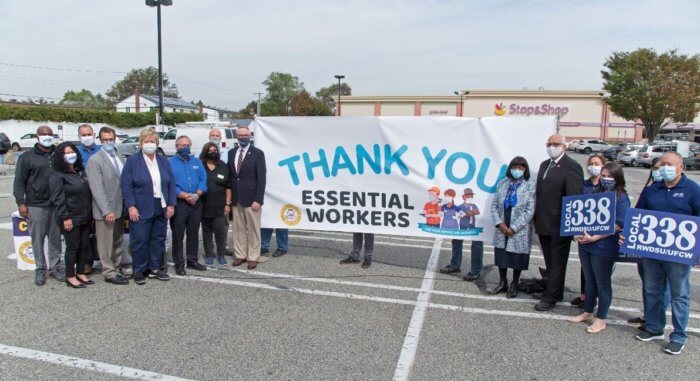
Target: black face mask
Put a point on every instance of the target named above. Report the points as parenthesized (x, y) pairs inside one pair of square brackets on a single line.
[(214, 156)]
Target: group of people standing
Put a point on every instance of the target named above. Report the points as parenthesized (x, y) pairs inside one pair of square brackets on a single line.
[(67, 190)]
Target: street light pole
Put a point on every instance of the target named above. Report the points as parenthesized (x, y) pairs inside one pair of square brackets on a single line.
[(157, 4), (461, 102), (258, 111), (339, 77)]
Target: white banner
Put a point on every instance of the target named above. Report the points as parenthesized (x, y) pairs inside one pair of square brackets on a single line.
[(378, 174)]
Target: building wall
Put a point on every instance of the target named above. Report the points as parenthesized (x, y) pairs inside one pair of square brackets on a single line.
[(438, 109), (397, 109), (358, 109)]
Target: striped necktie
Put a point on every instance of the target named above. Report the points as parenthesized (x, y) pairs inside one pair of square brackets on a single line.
[(240, 162)]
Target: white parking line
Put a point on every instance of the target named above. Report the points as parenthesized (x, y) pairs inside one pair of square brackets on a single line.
[(415, 326), (91, 365), (449, 307)]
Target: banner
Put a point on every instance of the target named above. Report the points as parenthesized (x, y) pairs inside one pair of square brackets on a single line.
[(410, 176), (659, 235), (592, 213)]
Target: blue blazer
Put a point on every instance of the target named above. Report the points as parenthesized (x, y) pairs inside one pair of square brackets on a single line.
[(137, 185)]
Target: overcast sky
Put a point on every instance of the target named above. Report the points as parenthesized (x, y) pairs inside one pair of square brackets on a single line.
[(221, 51)]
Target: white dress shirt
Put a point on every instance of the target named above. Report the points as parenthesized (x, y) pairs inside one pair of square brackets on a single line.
[(155, 178)]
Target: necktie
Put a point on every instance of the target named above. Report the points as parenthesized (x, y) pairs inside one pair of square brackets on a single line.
[(114, 161), (552, 163), (240, 161)]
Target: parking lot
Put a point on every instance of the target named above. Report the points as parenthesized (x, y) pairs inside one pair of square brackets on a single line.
[(304, 316)]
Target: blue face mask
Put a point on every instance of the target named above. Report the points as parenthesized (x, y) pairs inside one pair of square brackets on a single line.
[(667, 172), (244, 142), (656, 176), (516, 173), (109, 147), (184, 151), (607, 183)]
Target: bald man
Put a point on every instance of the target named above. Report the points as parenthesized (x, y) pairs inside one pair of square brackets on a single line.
[(558, 176)]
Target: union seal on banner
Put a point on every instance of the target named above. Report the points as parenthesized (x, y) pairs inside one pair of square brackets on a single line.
[(290, 215)]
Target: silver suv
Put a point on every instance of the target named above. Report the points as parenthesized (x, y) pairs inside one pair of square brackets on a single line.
[(594, 145), (647, 155)]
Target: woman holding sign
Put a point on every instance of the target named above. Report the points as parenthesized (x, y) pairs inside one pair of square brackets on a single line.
[(512, 210), (598, 253)]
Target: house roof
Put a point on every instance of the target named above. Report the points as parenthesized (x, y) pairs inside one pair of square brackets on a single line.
[(171, 102), (219, 109)]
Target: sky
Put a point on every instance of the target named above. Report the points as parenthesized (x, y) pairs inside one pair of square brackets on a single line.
[(221, 51)]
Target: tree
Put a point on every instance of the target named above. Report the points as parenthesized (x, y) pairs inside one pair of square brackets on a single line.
[(281, 88), (327, 94), (654, 89), (303, 104), (146, 80), (84, 98), (248, 111)]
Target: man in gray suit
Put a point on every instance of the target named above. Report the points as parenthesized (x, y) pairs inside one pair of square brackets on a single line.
[(104, 174)]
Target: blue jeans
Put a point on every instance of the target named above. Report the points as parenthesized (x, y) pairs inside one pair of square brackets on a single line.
[(667, 292), (282, 238), (656, 275), (477, 255), (147, 240), (597, 270)]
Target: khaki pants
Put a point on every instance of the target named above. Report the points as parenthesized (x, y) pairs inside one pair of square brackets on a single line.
[(246, 233), (109, 245)]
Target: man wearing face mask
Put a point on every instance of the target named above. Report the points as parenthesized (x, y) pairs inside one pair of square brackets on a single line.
[(33, 197), (87, 149), (467, 212), (248, 179), (215, 137), (680, 195), (190, 185), (558, 176)]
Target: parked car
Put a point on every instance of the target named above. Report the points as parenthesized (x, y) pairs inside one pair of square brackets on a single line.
[(5, 143), (648, 154), (120, 138), (628, 157), (129, 146), (27, 141), (571, 146), (198, 135), (588, 146)]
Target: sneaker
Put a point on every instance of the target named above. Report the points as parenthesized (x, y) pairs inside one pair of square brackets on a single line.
[(40, 277), (366, 263), (449, 270), (647, 336), (196, 266), (180, 270), (637, 320), (209, 261), (139, 279), (471, 277), (279, 253), (265, 252), (674, 348), (162, 275), (349, 261), (222, 261)]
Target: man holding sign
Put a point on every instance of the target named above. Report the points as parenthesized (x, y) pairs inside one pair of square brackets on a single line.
[(676, 194)]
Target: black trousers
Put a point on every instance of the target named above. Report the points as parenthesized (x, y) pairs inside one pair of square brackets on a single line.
[(555, 250), (78, 250), (218, 228), (186, 220)]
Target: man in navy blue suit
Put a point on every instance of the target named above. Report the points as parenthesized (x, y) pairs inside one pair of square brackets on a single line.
[(248, 171)]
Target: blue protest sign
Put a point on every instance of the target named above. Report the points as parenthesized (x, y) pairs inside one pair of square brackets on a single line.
[(592, 213), (658, 235)]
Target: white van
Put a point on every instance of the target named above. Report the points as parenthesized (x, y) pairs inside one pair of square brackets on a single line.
[(199, 137)]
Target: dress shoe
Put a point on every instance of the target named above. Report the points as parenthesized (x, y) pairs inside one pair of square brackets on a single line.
[(471, 277), (577, 302), (366, 263), (118, 280), (196, 266), (536, 295), (59, 275), (86, 282), (449, 270), (512, 290), (238, 262), (544, 306), (79, 285), (40, 277), (349, 261), (180, 270), (279, 253), (502, 287), (252, 265)]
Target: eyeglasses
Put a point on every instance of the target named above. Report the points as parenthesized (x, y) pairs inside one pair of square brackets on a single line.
[(554, 144)]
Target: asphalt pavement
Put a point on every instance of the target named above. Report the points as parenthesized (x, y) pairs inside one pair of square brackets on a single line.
[(304, 316)]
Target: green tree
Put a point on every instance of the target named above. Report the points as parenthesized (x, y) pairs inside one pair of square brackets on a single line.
[(281, 89), (248, 111), (303, 104), (84, 98), (655, 89), (327, 94), (146, 80)]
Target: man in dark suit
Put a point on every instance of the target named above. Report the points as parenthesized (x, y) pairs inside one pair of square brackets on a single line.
[(248, 171), (558, 177)]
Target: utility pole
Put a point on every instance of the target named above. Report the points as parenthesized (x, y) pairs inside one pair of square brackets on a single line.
[(258, 104)]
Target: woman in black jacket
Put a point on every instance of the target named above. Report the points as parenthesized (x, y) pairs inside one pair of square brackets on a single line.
[(70, 194)]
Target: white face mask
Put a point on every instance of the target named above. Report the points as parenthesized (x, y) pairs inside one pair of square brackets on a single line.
[(149, 148), (70, 158), (87, 141), (554, 152), (469, 201), (46, 140), (216, 141), (594, 170), (448, 200), (432, 197)]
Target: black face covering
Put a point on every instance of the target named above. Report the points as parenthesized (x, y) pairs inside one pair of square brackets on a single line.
[(214, 156)]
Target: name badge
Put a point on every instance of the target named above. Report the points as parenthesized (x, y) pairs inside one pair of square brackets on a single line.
[(220, 176)]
